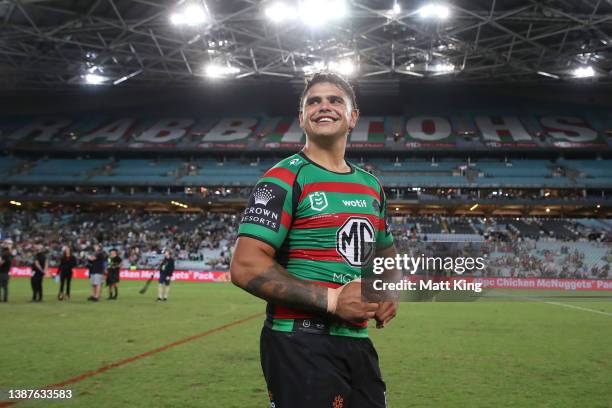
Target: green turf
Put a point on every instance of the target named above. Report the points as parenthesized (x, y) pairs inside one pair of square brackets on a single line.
[(533, 353)]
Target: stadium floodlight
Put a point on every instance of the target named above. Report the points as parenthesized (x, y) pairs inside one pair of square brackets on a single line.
[(279, 12), (442, 67), (318, 12), (178, 204), (16, 203), (434, 10), (396, 9), (220, 71), (546, 74), (94, 79), (344, 67), (475, 206), (584, 72), (190, 15)]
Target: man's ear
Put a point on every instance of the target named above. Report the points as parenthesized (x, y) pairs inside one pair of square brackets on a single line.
[(354, 118), (301, 118)]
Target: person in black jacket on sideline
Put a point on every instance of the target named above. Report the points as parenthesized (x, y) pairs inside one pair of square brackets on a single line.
[(165, 276), (6, 261), (39, 270), (66, 264)]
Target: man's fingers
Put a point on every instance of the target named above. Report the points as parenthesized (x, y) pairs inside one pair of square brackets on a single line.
[(385, 313), (372, 306)]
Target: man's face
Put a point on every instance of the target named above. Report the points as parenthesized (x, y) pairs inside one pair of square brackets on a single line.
[(327, 111)]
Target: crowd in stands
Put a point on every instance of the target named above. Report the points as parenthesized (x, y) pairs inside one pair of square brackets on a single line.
[(140, 238), (203, 240)]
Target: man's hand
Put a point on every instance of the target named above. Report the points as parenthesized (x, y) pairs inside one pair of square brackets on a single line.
[(386, 311), (345, 302)]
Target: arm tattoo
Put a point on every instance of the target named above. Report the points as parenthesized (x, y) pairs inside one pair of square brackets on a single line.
[(279, 286)]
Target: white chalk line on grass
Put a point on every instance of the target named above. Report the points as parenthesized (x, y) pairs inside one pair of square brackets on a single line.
[(584, 309), (549, 302)]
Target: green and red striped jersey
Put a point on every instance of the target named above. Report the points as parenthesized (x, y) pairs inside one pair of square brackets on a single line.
[(324, 226)]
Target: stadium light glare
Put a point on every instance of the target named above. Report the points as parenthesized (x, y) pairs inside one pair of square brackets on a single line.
[(94, 79), (475, 206), (318, 12), (442, 67), (344, 67), (584, 72), (220, 71), (396, 9), (548, 210), (598, 205), (434, 10), (190, 15), (178, 204), (279, 12), (546, 74), (16, 203)]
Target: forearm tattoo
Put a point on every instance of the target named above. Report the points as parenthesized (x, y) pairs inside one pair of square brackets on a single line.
[(279, 286)]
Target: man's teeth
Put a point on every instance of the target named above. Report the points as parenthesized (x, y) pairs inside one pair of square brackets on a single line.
[(325, 120)]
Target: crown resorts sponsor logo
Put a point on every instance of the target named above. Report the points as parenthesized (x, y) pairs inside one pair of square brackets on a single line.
[(263, 195), (265, 206)]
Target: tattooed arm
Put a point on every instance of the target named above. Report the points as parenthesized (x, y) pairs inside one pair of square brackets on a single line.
[(253, 269)]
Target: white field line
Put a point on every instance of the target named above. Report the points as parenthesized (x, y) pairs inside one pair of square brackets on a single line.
[(584, 309)]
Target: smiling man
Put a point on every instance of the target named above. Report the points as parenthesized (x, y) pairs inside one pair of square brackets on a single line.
[(311, 223)]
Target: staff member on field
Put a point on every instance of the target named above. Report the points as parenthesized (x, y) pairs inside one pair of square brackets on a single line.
[(66, 264), (39, 270), (166, 269)]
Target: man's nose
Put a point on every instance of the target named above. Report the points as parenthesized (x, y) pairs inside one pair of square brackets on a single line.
[(325, 105)]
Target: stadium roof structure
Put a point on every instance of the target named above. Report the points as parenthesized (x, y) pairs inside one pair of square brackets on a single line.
[(140, 43)]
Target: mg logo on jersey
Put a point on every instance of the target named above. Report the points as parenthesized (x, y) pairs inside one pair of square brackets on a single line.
[(355, 241), (318, 201)]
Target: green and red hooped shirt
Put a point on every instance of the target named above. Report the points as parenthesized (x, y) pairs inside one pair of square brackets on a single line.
[(320, 222)]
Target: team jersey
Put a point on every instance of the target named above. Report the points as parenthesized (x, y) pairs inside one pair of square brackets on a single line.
[(323, 225)]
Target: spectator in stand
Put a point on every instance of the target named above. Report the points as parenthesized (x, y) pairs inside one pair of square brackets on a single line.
[(66, 263), (6, 260), (96, 272), (112, 277), (39, 270), (165, 276)]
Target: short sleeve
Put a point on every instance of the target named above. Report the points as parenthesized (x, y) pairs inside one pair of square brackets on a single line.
[(384, 237), (268, 214)]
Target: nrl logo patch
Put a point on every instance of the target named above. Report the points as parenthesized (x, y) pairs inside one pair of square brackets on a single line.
[(318, 201)]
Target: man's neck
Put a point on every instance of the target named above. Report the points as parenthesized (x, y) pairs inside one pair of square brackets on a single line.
[(330, 157)]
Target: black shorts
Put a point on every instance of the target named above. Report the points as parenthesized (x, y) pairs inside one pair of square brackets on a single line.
[(304, 370), (165, 279), (112, 277)]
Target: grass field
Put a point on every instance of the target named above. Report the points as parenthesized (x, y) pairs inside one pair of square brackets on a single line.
[(533, 353)]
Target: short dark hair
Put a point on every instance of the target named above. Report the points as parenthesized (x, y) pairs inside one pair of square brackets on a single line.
[(332, 78)]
